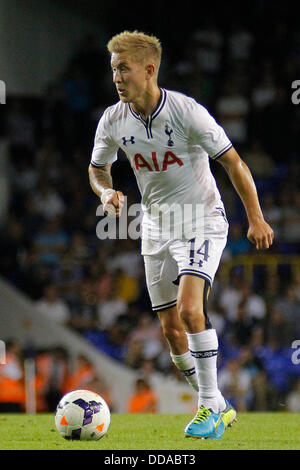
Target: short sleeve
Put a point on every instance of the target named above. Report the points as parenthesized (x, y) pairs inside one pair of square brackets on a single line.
[(204, 131), (105, 149)]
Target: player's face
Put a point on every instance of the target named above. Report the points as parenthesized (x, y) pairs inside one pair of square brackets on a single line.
[(128, 76)]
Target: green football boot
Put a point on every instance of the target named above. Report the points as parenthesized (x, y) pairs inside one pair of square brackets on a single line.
[(228, 415)]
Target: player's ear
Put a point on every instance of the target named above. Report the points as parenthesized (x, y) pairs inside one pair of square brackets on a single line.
[(150, 71)]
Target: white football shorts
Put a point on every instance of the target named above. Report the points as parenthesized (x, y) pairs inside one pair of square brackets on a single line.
[(167, 260)]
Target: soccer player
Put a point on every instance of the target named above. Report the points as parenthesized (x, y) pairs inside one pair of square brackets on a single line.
[(168, 139)]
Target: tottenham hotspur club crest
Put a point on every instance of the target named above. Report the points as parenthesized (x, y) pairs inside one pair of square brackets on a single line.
[(169, 131)]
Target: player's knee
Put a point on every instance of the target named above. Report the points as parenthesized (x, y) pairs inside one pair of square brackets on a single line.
[(172, 333), (189, 311), (172, 328)]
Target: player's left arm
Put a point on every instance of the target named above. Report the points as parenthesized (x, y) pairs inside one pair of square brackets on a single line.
[(259, 231)]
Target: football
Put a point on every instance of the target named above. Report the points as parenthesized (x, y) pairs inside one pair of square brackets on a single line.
[(82, 415)]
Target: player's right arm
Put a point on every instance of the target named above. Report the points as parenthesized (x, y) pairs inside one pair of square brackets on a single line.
[(100, 179), (103, 155), (101, 184)]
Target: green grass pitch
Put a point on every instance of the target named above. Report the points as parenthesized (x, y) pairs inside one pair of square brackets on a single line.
[(253, 431)]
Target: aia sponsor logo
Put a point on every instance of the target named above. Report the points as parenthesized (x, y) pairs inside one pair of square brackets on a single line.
[(170, 158)]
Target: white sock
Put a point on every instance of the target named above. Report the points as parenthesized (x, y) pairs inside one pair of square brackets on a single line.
[(221, 401), (204, 349), (185, 363)]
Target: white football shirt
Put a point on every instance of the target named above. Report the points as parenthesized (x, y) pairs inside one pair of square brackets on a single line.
[(169, 154)]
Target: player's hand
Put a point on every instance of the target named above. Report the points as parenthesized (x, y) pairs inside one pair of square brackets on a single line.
[(114, 204), (261, 234)]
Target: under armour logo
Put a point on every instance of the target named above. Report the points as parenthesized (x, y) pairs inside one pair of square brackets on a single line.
[(131, 140), (200, 262), (169, 131)]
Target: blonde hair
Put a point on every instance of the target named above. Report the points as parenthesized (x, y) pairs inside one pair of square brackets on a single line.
[(139, 46)]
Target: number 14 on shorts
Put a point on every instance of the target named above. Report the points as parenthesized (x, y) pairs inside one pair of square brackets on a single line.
[(201, 251)]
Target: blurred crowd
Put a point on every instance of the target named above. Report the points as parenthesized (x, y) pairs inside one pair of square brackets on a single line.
[(57, 374), (48, 243)]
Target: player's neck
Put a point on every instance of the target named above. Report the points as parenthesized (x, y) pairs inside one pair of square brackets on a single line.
[(147, 103)]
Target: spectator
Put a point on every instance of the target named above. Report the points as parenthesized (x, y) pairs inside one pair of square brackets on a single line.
[(127, 287), (273, 214), (273, 122), (163, 362), (12, 388), (68, 275), (110, 308), (232, 111), (52, 305), (148, 332), (84, 312), (130, 318), (34, 276), (48, 160), (217, 318), (77, 88), (12, 243), (291, 216), (134, 355), (290, 307), (52, 373), (43, 365), (257, 341), (208, 43), (79, 250), (128, 260), (143, 399), (31, 219), (278, 329), (235, 383), (254, 304), (51, 242), (261, 392), (112, 342), (48, 202), (296, 284), (20, 126), (243, 325), (259, 162), (24, 176), (82, 374), (277, 367), (238, 244), (240, 43), (264, 92), (272, 289), (231, 296)]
